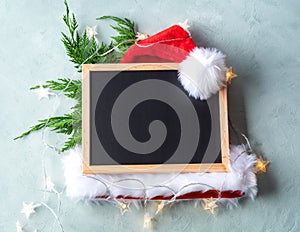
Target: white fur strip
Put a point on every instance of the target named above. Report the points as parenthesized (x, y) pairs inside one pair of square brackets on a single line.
[(241, 176), (203, 72)]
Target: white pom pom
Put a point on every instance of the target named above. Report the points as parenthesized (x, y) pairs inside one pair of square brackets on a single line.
[(203, 72)]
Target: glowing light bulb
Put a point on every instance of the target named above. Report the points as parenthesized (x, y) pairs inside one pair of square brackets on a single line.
[(230, 75), (147, 221), (123, 206), (160, 206), (210, 205), (261, 165)]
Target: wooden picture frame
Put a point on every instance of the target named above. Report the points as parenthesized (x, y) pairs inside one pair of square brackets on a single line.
[(141, 168)]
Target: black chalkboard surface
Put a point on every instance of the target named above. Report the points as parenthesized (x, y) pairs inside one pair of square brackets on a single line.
[(138, 118)]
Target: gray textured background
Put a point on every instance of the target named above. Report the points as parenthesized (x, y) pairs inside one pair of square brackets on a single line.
[(261, 39)]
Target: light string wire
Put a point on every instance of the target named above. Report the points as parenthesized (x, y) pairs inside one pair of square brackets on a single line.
[(54, 214)]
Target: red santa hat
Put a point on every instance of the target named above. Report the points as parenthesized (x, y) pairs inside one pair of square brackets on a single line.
[(202, 71)]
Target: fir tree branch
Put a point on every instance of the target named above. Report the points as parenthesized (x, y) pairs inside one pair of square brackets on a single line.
[(82, 50), (126, 30), (59, 124), (72, 141), (68, 86)]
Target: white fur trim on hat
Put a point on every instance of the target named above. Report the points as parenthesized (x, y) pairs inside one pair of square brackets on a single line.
[(203, 72), (241, 176)]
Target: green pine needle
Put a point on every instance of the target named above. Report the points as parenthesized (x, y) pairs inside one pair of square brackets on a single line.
[(59, 124), (81, 49), (126, 30)]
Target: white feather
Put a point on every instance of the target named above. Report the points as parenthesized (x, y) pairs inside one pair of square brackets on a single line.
[(241, 176), (203, 72)]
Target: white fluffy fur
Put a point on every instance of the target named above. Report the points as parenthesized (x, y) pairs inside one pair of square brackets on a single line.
[(241, 176), (203, 72)]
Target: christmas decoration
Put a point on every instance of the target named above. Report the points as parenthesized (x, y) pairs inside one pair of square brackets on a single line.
[(140, 36), (29, 209), (184, 25), (202, 72), (147, 221), (230, 75), (43, 93), (210, 205), (241, 176), (49, 185), (91, 33), (123, 206), (19, 228), (160, 206), (261, 165)]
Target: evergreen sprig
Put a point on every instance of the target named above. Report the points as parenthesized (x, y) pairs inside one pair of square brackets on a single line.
[(81, 50), (126, 30), (60, 124), (69, 124), (78, 47), (70, 88)]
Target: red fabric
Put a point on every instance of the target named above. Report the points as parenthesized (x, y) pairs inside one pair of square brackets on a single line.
[(188, 196), (157, 49)]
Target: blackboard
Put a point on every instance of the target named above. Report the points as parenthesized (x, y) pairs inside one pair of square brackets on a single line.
[(138, 118)]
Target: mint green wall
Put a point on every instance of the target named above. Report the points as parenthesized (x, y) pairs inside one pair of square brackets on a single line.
[(261, 39)]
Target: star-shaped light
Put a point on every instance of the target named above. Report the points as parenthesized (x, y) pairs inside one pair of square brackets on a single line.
[(140, 36), (29, 209), (230, 75), (19, 227), (147, 221), (160, 206), (184, 25), (210, 205), (261, 165), (123, 206), (91, 33), (43, 93), (49, 185)]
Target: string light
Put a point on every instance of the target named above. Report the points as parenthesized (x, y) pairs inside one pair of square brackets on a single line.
[(210, 205), (261, 165), (123, 206), (43, 92), (230, 75), (147, 221), (49, 185), (29, 209), (19, 228), (184, 25), (160, 206), (91, 32), (140, 36)]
